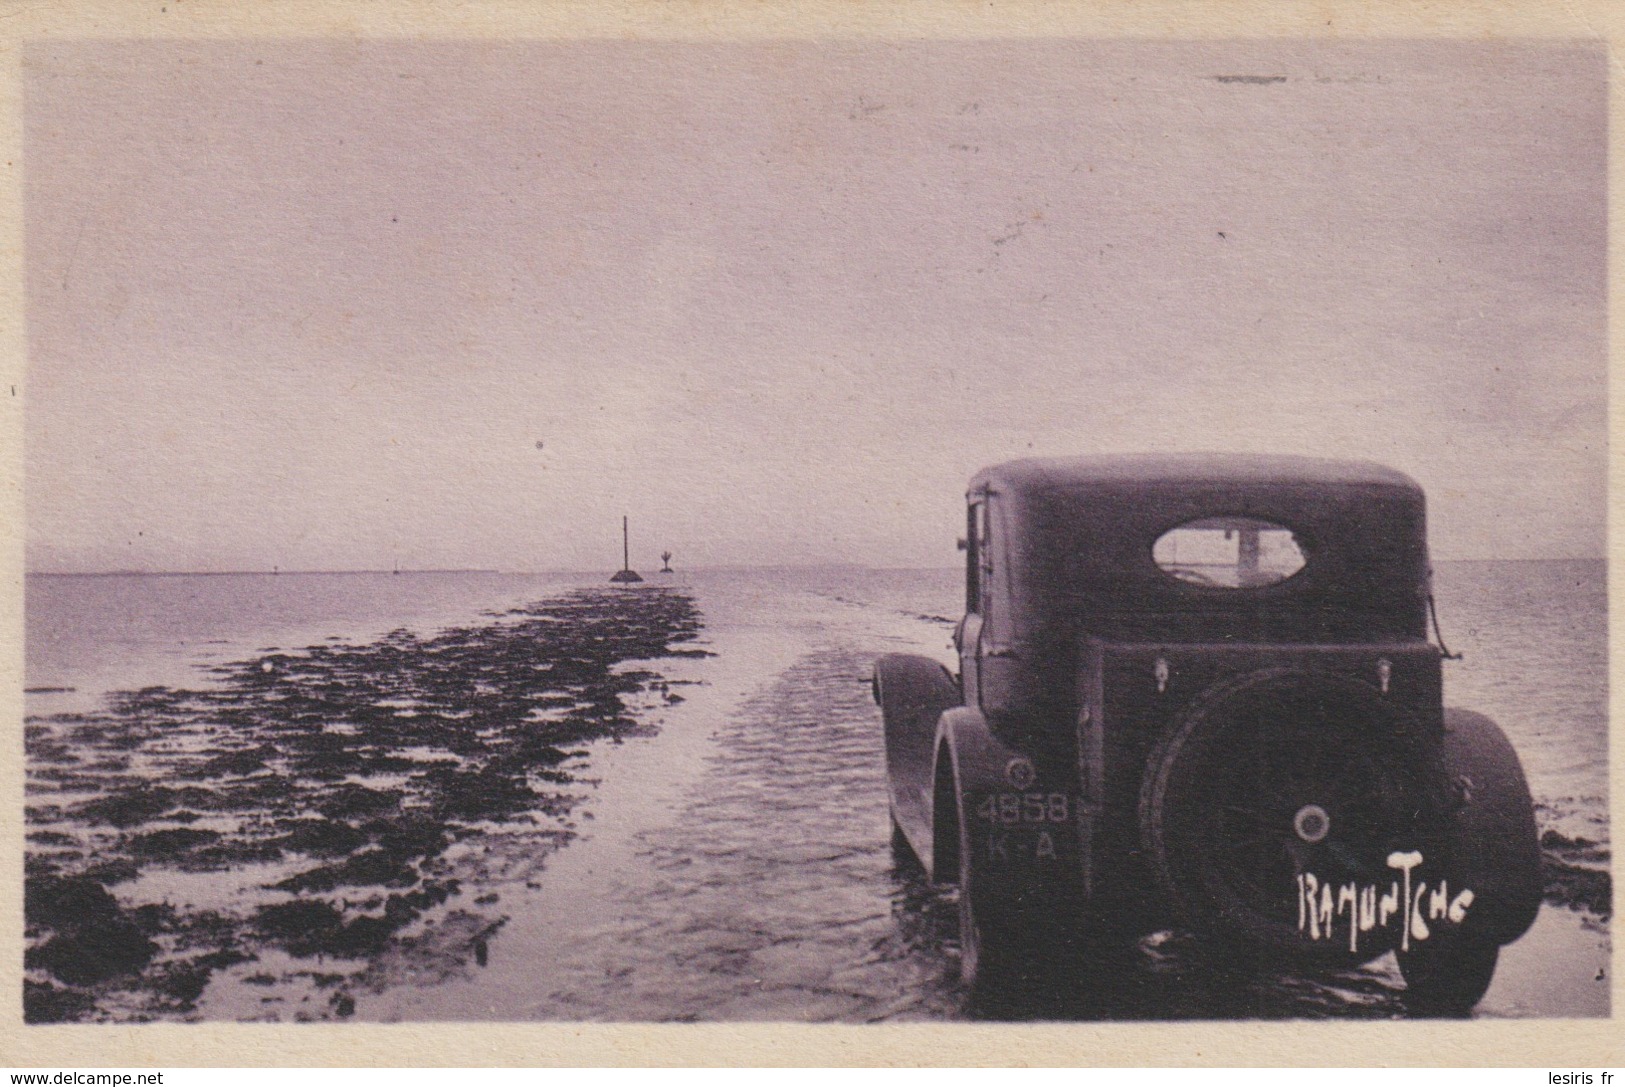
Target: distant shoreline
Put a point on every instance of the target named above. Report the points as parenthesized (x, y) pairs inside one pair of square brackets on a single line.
[(594, 573), (241, 573)]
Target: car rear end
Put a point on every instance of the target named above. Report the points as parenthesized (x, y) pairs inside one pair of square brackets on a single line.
[(1214, 778)]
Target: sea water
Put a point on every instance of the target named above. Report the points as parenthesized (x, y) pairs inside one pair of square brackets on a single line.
[(733, 864)]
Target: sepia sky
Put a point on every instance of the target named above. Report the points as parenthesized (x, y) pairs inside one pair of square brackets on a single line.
[(314, 304)]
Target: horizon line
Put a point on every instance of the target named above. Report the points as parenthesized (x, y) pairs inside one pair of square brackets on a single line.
[(717, 566), (459, 570)]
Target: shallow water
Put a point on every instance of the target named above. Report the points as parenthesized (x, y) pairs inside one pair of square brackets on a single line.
[(731, 861), (87, 635)]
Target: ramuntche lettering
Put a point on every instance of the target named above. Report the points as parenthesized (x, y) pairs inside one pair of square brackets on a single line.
[(1326, 910)]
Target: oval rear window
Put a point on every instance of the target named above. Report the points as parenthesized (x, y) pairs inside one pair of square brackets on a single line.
[(1229, 552)]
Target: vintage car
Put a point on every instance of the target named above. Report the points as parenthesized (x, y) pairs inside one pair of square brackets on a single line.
[(1198, 692)]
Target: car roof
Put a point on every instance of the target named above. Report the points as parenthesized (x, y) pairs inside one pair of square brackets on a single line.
[(1194, 469)]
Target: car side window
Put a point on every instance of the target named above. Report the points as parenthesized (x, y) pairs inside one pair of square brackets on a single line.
[(973, 558), (984, 553)]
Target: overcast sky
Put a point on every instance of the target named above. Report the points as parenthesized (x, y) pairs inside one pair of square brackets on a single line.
[(315, 304)]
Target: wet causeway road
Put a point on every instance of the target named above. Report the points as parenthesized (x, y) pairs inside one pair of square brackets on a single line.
[(772, 895)]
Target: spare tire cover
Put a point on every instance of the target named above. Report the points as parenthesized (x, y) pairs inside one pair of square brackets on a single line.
[(1283, 776)]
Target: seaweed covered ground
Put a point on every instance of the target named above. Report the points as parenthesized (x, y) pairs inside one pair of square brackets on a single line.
[(1576, 871), (322, 820)]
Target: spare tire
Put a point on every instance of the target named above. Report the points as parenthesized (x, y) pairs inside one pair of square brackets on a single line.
[(1279, 773)]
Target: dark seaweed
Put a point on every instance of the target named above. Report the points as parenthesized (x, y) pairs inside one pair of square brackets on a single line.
[(1588, 889), (451, 732), (46, 1003)]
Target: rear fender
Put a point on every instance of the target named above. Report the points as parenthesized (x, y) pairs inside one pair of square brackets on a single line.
[(1494, 845), (1021, 829), (912, 692)]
